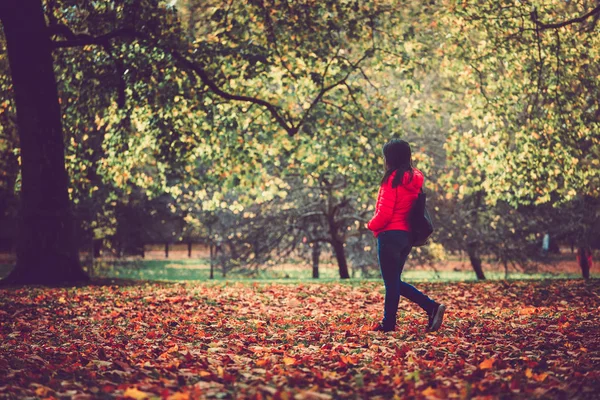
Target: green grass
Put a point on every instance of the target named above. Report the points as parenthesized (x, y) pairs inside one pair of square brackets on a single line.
[(193, 270), (199, 270)]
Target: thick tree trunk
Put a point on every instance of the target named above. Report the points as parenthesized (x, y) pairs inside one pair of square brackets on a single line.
[(340, 255), (316, 252), (475, 260), (46, 246)]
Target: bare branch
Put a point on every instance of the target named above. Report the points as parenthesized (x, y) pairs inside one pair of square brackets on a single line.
[(324, 90), (82, 39), (578, 20), (74, 40)]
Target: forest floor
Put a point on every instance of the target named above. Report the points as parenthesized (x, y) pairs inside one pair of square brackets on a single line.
[(261, 340)]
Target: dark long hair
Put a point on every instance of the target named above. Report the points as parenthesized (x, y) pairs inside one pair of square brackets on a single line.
[(397, 158)]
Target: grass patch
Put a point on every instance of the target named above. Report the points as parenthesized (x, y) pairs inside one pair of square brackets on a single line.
[(199, 270), (195, 270)]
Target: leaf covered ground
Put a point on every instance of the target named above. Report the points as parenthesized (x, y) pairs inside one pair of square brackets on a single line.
[(298, 341)]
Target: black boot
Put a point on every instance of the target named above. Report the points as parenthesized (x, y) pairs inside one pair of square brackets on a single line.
[(436, 316)]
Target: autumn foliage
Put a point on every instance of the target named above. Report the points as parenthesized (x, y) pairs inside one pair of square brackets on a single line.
[(304, 341)]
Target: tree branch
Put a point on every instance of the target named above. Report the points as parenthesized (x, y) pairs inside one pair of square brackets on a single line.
[(75, 40), (578, 20), (324, 90), (82, 39), (121, 76)]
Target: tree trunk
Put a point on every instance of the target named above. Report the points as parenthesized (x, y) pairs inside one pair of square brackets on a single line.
[(584, 258), (189, 249), (212, 254), (212, 263), (97, 248), (340, 255), (475, 260), (167, 250), (316, 252), (46, 246)]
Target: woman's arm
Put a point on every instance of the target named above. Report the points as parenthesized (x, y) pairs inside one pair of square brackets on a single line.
[(385, 206)]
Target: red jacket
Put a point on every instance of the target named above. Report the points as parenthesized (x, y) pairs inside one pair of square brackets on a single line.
[(394, 204)]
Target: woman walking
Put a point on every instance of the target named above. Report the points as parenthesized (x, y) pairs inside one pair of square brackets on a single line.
[(399, 189)]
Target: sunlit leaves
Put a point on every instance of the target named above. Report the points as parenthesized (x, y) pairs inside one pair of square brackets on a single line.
[(529, 101)]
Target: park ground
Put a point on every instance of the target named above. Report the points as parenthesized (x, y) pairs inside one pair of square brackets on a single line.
[(300, 340), (181, 267)]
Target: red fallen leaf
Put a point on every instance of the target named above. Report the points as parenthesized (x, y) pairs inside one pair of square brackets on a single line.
[(515, 385), (124, 366), (109, 388), (229, 378), (310, 337), (102, 354)]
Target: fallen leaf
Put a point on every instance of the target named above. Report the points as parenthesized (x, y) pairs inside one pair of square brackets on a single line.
[(487, 364), (289, 360), (136, 394)]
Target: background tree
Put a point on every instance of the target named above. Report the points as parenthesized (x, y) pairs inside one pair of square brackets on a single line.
[(532, 105)]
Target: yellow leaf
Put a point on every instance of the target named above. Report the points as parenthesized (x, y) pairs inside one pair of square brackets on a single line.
[(173, 349), (527, 310), (289, 360), (431, 393), (179, 396), (136, 394), (43, 391), (528, 373), (262, 362), (487, 364), (540, 377)]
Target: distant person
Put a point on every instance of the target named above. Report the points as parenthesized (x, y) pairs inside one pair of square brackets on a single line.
[(399, 189), (546, 244)]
